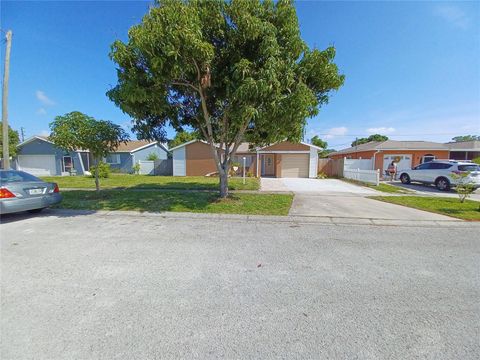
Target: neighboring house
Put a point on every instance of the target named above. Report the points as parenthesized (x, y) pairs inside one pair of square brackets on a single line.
[(285, 159), (407, 154), (465, 150), (128, 154), (39, 156)]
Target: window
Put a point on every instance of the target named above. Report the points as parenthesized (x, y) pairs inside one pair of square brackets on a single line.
[(427, 158), (113, 159), (425, 166), (67, 164), (10, 176), (440, 166), (472, 167)]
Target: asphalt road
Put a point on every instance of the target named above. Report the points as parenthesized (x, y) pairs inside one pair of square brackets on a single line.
[(128, 286)]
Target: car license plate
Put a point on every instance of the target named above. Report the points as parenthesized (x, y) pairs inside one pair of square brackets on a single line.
[(36, 191)]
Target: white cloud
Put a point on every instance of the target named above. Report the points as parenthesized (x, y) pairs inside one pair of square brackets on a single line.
[(41, 111), (381, 130), (44, 133), (44, 99), (454, 15), (337, 131)]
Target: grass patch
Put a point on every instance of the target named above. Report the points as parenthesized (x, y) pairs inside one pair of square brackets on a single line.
[(387, 188), (469, 210), (157, 201), (152, 182)]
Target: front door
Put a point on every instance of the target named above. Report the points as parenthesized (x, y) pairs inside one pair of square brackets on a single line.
[(268, 165)]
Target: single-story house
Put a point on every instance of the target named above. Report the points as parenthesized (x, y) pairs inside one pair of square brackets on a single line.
[(407, 154), (465, 150), (284, 159), (39, 156)]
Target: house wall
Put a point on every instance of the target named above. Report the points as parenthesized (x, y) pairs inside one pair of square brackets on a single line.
[(287, 146), (40, 147), (199, 159), (416, 155), (143, 154), (126, 163)]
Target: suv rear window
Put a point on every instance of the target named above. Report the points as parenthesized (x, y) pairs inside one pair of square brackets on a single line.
[(469, 167)]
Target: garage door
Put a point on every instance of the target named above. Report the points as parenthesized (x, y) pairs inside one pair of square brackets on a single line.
[(39, 165), (295, 165)]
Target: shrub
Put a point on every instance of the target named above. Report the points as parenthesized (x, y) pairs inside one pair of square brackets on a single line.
[(152, 157), (464, 187), (322, 175), (103, 170), (136, 169)]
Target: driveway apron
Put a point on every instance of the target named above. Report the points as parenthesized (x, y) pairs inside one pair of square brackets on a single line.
[(336, 198)]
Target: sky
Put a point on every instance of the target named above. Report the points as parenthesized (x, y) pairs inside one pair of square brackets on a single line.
[(412, 68)]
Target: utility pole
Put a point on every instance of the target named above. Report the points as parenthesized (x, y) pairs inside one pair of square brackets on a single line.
[(22, 132), (6, 75)]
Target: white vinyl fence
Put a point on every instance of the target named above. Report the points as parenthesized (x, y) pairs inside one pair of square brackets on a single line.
[(362, 164), (370, 176), (146, 167)]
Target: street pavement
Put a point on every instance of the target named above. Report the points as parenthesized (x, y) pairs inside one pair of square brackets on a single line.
[(113, 285)]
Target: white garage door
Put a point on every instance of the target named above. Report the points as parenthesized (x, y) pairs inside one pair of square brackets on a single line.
[(295, 165), (39, 165)]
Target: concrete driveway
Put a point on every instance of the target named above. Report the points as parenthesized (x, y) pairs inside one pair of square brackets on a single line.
[(336, 198), (132, 286), (323, 186), (430, 190)]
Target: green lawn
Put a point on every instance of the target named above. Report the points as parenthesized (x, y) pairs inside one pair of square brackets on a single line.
[(387, 188), (152, 182), (469, 210), (156, 201)]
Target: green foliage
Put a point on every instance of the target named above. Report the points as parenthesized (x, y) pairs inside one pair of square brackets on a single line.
[(136, 169), (233, 71), (476, 160), (322, 175), (103, 170), (75, 131), (466, 138), (13, 141), (375, 137), (464, 186), (152, 157), (319, 142), (183, 137)]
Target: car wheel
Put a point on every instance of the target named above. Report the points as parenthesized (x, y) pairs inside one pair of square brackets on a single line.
[(442, 184), (35, 211), (405, 179)]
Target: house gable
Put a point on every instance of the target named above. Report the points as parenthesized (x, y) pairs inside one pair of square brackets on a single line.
[(287, 146)]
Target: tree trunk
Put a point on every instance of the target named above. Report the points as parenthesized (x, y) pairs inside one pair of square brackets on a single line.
[(223, 175), (97, 182)]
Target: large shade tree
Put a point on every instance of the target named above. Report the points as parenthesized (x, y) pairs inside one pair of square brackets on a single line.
[(374, 137), (234, 71), (74, 131)]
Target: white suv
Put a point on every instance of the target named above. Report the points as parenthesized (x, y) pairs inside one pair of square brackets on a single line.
[(440, 173)]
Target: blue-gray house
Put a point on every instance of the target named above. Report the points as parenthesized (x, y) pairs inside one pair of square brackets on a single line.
[(39, 156)]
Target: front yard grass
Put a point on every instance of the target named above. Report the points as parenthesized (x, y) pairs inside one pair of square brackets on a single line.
[(152, 182), (157, 201), (469, 210)]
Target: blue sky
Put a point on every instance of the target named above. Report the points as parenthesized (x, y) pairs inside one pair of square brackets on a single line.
[(412, 68)]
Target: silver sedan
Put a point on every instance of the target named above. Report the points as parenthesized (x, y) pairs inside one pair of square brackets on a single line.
[(20, 191)]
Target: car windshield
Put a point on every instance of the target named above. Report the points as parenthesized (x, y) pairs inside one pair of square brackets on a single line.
[(469, 167), (12, 176)]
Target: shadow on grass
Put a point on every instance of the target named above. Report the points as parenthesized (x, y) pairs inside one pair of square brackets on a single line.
[(152, 201)]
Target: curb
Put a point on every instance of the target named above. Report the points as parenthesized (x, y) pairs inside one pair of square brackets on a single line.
[(294, 219)]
